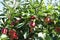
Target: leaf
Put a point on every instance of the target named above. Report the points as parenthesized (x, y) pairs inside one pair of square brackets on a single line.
[(40, 13), (18, 0), (36, 5), (32, 10), (50, 7), (26, 35), (3, 3), (46, 11), (8, 21), (20, 25), (59, 8), (48, 37)]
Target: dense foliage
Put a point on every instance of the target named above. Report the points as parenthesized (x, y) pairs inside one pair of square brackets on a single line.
[(30, 21)]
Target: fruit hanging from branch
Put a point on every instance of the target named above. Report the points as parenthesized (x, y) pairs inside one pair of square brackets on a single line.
[(29, 20), (12, 23), (32, 17), (32, 24), (57, 29), (13, 34), (4, 30), (47, 20)]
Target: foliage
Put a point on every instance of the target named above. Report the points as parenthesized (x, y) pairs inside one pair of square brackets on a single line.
[(18, 18)]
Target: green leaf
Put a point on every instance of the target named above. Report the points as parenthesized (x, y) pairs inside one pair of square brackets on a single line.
[(40, 38), (36, 5), (32, 10), (46, 11), (3, 3), (48, 37), (20, 25), (59, 8), (50, 7), (41, 13), (8, 21), (26, 34)]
